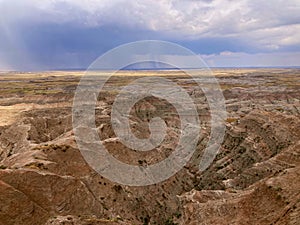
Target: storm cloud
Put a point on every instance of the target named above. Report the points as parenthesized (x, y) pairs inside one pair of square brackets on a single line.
[(53, 34)]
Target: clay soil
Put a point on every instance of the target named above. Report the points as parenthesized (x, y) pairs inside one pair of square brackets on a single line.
[(254, 179)]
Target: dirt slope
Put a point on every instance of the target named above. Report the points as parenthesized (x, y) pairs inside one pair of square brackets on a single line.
[(254, 179)]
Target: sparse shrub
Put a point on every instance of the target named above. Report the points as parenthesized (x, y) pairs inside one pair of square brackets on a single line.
[(277, 188), (2, 167), (231, 120), (170, 222)]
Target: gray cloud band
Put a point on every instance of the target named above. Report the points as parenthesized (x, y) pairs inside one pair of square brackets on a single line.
[(85, 130)]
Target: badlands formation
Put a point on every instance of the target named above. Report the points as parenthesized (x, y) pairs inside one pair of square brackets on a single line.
[(254, 179)]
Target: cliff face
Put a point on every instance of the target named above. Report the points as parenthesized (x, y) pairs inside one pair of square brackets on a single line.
[(254, 178)]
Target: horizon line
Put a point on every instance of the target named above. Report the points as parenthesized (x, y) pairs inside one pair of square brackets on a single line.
[(152, 69)]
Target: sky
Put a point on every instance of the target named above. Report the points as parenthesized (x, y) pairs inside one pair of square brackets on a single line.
[(71, 34)]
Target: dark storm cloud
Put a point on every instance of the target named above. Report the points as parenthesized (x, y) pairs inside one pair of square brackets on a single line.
[(72, 33)]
